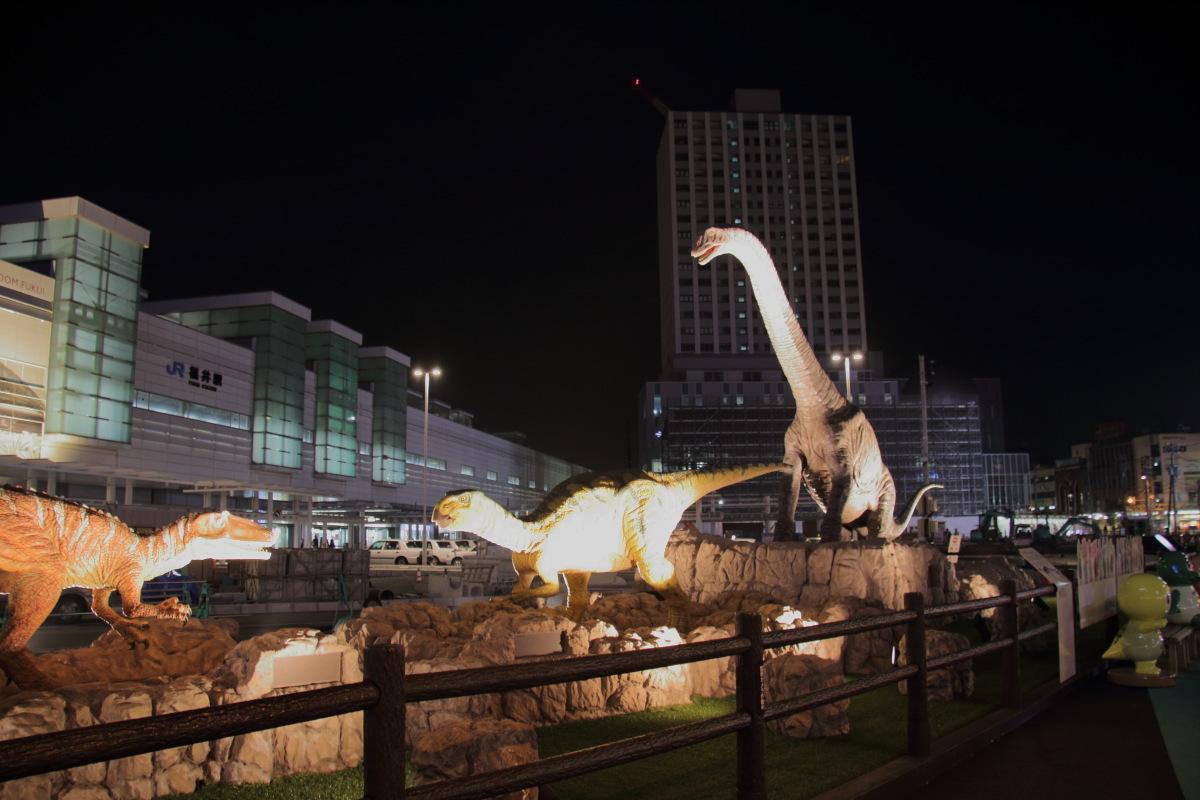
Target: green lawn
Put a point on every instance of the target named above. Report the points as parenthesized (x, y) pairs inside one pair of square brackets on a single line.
[(795, 768)]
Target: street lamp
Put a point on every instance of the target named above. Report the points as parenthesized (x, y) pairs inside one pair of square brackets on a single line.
[(426, 373), (847, 359)]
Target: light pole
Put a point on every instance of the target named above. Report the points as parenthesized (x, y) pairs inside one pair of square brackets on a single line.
[(426, 373), (847, 359)]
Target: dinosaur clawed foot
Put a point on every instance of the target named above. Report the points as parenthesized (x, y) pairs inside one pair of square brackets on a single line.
[(171, 608)]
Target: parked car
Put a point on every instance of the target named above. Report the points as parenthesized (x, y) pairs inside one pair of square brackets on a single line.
[(446, 551), (418, 551), (74, 605), (397, 551)]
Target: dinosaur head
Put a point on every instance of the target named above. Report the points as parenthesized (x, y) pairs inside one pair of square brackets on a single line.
[(1173, 567), (461, 511), (712, 243), (219, 534)]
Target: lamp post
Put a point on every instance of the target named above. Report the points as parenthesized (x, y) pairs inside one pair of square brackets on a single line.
[(847, 359), (426, 373)]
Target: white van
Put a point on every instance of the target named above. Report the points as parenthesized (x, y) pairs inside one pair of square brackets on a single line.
[(417, 551), (397, 551)]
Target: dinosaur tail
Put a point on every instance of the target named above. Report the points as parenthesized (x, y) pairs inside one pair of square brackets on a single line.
[(701, 482), (906, 513)]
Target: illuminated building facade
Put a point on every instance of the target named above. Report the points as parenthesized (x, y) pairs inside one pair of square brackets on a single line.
[(239, 401), (787, 178)]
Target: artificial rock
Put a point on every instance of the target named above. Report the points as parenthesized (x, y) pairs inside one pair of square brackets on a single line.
[(474, 748)]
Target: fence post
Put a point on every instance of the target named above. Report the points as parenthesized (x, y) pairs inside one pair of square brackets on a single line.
[(751, 741), (383, 723), (918, 684), (1012, 654)]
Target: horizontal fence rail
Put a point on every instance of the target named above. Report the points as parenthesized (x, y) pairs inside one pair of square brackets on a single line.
[(386, 690)]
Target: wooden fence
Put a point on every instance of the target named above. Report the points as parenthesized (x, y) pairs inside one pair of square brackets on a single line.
[(385, 691)]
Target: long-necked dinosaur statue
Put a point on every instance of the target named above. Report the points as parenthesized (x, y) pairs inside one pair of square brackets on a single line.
[(830, 446), (48, 544), (595, 522)]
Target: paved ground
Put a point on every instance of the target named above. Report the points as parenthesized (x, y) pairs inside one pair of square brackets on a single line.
[(1101, 741)]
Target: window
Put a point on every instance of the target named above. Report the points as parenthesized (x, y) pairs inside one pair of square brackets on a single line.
[(467, 470), (513, 480), (491, 476)]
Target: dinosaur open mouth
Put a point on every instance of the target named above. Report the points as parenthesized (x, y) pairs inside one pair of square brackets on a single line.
[(706, 255)]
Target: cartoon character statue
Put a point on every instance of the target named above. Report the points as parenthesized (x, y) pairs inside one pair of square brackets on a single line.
[(1173, 567), (1144, 598)]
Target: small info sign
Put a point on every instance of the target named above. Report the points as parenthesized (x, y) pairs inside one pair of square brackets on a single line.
[(1066, 610)]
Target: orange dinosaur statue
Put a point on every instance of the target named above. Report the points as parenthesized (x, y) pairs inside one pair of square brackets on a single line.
[(48, 544)]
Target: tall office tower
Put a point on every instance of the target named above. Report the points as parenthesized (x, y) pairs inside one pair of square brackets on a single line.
[(787, 178)]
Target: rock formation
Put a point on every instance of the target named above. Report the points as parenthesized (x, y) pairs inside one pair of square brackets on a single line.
[(791, 585)]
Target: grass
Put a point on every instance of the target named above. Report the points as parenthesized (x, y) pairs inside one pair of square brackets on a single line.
[(797, 769)]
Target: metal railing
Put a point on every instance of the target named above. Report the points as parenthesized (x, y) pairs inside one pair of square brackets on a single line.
[(386, 690)]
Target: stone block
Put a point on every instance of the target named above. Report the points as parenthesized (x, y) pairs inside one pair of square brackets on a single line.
[(789, 676), (474, 748)]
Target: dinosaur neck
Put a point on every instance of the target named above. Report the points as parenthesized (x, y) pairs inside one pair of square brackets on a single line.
[(504, 529), (164, 550), (811, 387)]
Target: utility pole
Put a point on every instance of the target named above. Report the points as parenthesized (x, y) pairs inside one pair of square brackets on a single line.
[(1173, 471), (925, 501)]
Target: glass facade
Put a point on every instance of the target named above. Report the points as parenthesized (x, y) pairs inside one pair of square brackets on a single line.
[(1006, 480), (278, 338), (388, 380), (93, 334), (334, 361)]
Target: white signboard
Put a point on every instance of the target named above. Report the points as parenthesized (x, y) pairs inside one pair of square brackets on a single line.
[(953, 548), (1066, 601)]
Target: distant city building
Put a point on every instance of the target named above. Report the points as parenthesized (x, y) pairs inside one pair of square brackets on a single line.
[(722, 397), (238, 401), (1148, 483)]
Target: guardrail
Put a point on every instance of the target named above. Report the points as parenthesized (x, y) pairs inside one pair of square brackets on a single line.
[(386, 690)]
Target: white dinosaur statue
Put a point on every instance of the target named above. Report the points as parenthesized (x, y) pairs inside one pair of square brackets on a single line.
[(595, 522), (830, 446)]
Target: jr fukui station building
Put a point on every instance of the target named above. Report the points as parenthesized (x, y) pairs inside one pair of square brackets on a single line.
[(155, 409)]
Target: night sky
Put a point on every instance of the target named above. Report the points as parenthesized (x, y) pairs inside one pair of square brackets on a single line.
[(481, 195)]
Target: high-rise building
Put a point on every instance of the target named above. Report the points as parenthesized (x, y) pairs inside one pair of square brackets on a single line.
[(787, 178)]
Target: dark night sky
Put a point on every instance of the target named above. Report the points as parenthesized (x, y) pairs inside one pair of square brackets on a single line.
[(477, 194)]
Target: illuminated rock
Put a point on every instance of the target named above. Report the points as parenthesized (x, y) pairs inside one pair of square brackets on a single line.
[(455, 751), (171, 651), (979, 579), (950, 683), (792, 675), (804, 574)]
